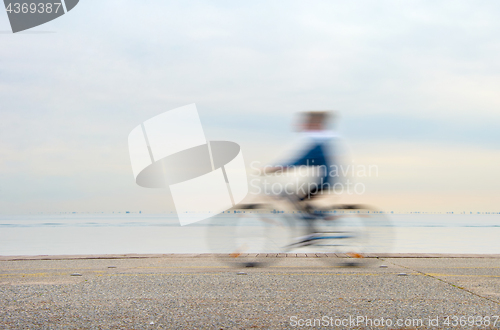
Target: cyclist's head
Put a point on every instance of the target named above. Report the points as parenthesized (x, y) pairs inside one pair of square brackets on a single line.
[(315, 120)]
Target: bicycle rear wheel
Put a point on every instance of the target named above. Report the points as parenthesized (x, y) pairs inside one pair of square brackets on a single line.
[(341, 235), (350, 234)]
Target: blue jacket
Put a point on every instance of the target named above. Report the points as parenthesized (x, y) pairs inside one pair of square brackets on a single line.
[(318, 152)]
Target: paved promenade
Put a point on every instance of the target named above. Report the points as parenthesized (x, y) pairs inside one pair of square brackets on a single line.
[(204, 292)]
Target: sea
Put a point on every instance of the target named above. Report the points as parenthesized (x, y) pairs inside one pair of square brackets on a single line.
[(140, 233)]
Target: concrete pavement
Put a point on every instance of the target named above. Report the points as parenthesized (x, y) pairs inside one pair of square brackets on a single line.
[(204, 292)]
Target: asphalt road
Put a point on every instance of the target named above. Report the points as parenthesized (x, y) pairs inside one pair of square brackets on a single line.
[(204, 292)]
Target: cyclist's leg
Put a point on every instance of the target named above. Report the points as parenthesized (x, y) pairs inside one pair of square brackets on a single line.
[(309, 214)]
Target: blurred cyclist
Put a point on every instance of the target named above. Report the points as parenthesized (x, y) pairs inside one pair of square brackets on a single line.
[(316, 152)]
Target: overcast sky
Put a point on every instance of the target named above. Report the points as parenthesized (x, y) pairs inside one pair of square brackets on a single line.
[(416, 85)]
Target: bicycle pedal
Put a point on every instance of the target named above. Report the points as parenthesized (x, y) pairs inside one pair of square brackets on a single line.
[(251, 264)]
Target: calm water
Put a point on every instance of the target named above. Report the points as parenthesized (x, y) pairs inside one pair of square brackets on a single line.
[(161, 233)]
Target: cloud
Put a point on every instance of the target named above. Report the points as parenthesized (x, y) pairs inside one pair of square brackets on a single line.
[(407, 72)]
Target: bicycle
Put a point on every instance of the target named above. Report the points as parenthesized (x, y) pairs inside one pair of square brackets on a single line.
[(285, 225)]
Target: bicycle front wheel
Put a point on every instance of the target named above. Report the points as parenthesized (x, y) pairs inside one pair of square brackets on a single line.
[(253, 238)]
